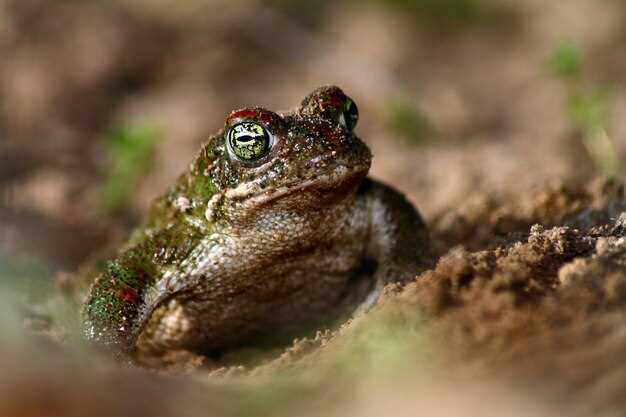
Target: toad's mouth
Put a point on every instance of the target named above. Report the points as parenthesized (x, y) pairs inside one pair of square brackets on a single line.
[(340, 177), (337, 180)]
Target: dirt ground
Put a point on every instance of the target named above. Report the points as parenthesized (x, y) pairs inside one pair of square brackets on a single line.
[(525, 311)]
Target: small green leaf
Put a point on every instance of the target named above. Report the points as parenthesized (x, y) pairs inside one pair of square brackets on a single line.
[(130, 149), (566, 60), (587, 109), (405, 120)]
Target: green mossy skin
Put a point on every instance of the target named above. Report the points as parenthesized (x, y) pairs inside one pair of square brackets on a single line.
[(164, 240), (111, 307), (116, 296)]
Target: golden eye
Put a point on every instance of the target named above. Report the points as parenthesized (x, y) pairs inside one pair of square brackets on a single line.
[(248, 141)]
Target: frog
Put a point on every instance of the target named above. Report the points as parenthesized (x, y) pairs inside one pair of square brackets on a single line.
[(274, 226)]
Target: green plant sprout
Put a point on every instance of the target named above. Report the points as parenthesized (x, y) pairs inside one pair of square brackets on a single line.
[(405, 120), (130, 149), (586, 108)]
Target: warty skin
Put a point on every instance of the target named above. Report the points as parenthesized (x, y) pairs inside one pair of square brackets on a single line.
[(273, 228)]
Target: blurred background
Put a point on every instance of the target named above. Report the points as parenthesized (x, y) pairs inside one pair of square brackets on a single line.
[(104, 103)]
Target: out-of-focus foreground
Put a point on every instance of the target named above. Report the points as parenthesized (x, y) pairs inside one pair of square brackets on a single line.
[(488, 114)]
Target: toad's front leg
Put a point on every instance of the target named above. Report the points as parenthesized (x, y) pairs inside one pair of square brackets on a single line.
[(399, 240), (146, 276)]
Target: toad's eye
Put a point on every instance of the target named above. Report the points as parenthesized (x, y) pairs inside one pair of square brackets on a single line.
[(349, 115), (248, 141)]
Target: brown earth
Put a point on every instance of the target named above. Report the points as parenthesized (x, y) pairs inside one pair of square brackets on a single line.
[(534, 319), (543, 303)]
